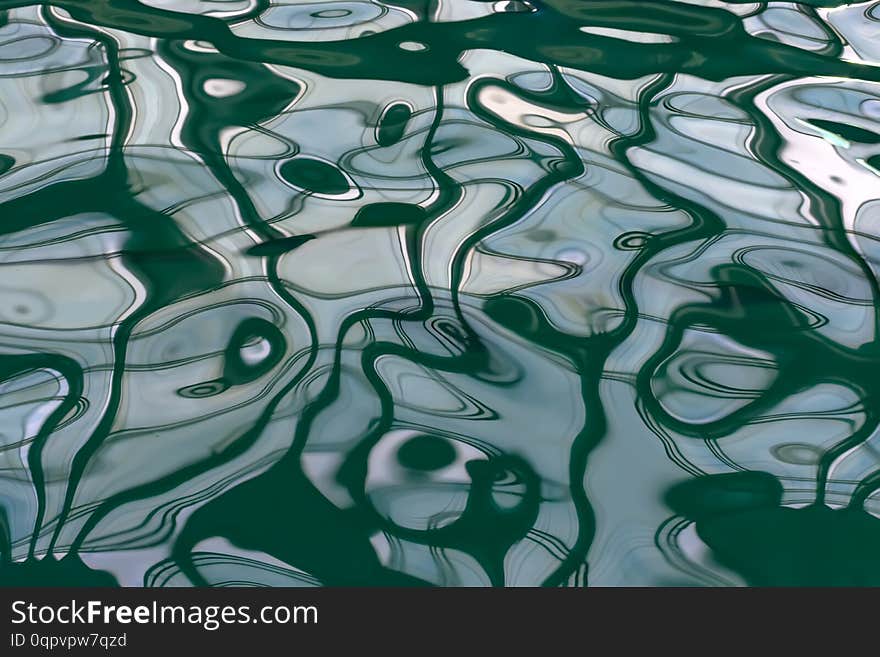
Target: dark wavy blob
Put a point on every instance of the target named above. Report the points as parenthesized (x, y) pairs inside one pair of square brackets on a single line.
[(257, 94), (484, 529), (281, 513), (6, 163), (392, 125), (389, 214), (425, 452), (174, 273), (848, 132), (740, 518), (314, 175), (715, 495), (278, 246), (268, 338), (525, 318)]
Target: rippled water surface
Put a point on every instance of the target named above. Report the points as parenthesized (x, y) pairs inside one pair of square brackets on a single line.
[(450, 292)]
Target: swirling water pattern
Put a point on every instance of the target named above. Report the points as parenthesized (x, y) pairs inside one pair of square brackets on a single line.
[(439, 292)]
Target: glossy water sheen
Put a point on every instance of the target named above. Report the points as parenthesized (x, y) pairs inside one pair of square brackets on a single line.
[(439, 292)]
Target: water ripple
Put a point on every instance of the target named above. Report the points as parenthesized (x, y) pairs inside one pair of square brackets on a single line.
[(439, 293)]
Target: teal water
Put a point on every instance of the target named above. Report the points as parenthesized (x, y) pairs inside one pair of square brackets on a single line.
[(439, 292)]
